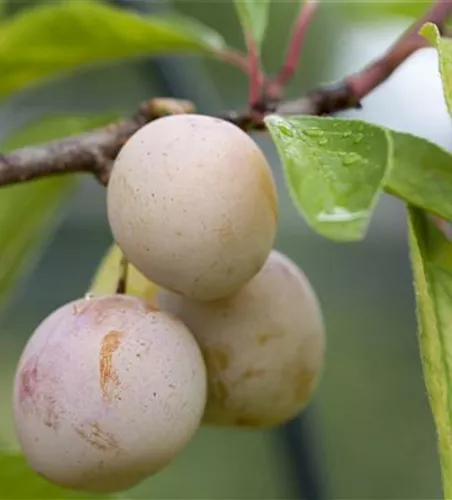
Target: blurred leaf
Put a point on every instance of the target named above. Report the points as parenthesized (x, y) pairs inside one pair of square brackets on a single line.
[(105, 281), (54, 38), (431, 255), (19, 481), (371, 9), (253, 15), (444, 48), (421, 174), (334, 170), (55, 127), (29, 211)]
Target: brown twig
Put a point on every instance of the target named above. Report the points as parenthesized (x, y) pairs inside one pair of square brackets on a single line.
[(372, 76), (95, 151), (89, 152)]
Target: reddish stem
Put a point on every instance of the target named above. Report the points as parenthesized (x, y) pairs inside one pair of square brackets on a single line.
[(362, 83), (294, 48), (256, 74), (250, 64)]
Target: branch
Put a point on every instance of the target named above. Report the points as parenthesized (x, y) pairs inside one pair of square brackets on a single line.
[(95, 151), (372, 76), (349, 93), (90, 152)]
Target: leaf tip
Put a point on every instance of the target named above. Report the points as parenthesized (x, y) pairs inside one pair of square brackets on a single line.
[(279, 127), (430, 32), (271, 119)]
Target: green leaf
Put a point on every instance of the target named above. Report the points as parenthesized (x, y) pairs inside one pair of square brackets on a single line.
[(393, 8), (253, 15), (29, 211), (19, 481), (421, 174), (444, 47), (55, 38), (335, 170), (431, 256)]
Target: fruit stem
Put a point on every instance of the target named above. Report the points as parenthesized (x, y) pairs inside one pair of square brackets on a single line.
[(121, 287)]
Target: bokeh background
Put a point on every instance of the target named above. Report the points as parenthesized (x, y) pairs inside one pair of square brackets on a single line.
[(369, 432)]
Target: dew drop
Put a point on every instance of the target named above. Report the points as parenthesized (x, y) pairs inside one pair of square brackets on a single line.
[(358, 138), (285, 130), (313, 132), (322, 141), (347, 134), (341, 214), (349, 159)]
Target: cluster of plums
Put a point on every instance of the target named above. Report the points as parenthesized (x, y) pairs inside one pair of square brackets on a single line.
[(110, 388)]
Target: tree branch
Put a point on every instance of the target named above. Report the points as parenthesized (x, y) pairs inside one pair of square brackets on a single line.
[(95, 151), (372, 76), (89, 152)]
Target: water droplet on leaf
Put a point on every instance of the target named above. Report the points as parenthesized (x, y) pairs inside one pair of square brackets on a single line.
[(341, 214), (323, 140), (350, 159), (313, 132), (285, 130), (358, 138)]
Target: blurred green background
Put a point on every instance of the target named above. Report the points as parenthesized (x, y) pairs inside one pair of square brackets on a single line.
[(371, 428)]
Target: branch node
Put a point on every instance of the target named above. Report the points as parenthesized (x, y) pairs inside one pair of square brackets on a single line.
[(159, 107), (328, 99)]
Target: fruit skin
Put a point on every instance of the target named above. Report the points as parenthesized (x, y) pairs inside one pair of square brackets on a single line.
[(193, 205), (264, 347), (106, 393)]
